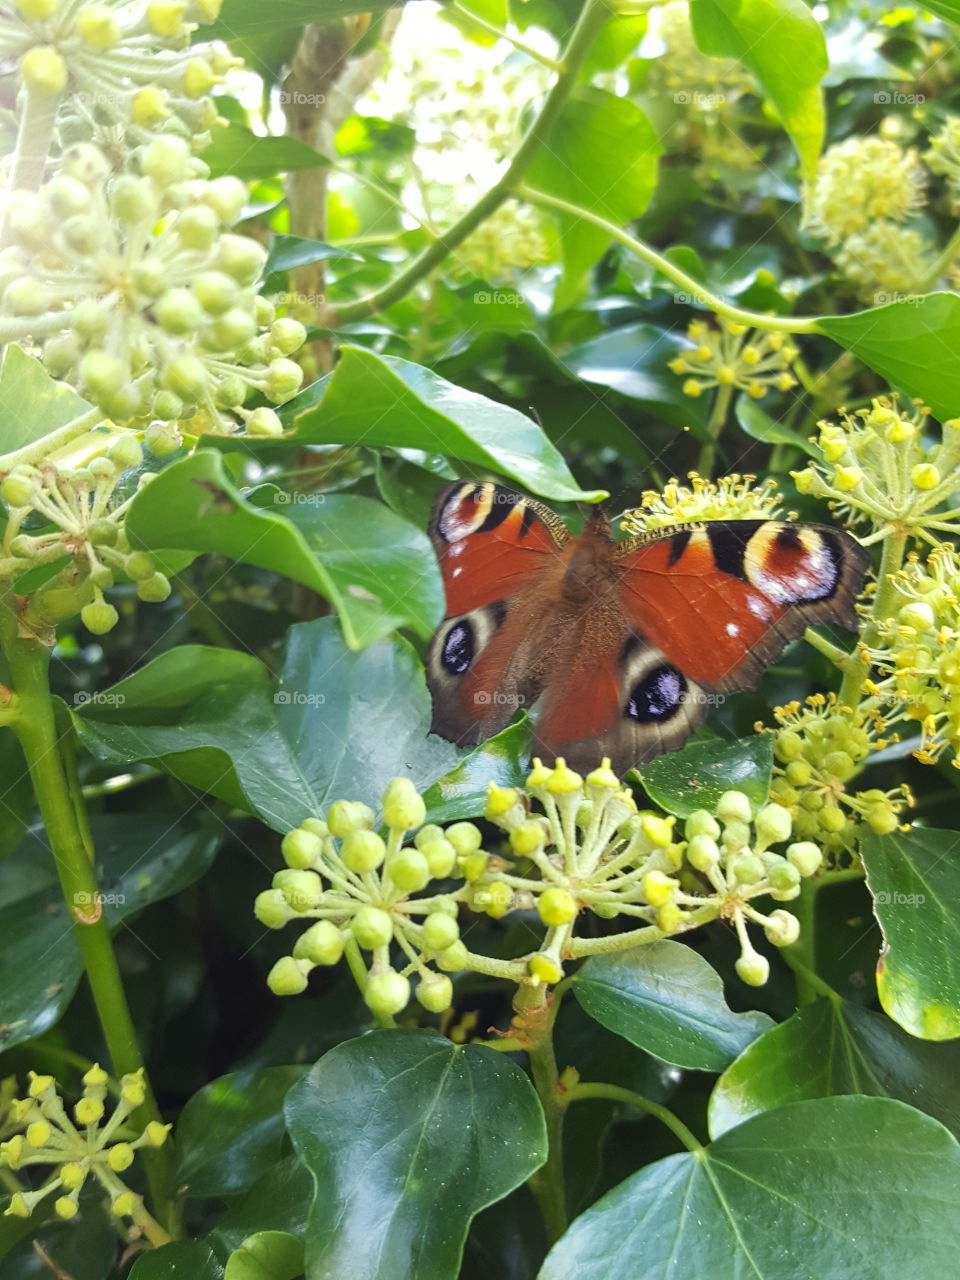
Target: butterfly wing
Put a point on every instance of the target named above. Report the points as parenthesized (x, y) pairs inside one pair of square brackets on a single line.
[(499, 553)]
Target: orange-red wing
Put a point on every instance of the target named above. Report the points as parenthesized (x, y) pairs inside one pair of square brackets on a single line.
[(491, 542), (722, 600)]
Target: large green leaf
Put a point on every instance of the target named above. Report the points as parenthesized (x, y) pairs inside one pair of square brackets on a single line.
[(835, 1047), (948, 9), (238, 151), (407, 1137), (32, 404), (252, 17), (376, 569), (339, 725), (632, 361), (696, 776), (383, 400), (140, 859), (267, 1255), (462, 793), (782, 43), (182, 1260), (914, 344), (914, 877), (665, 998), (600, 155), (229, 1133), (85, 1248), (831, 1189)]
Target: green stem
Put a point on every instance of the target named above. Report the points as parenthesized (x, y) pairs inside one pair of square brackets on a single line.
[(592, 17), (636, 937), (801, 955), (34, 135), (884, 602), (813, 984), (950, 251), (580, 1092), (718, 418), (28, 663), (755, 319), (839, 657), (40, 450), (547, 1184)]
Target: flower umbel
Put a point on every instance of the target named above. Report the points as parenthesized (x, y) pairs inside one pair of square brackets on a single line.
[(735, 356), (732, 497)]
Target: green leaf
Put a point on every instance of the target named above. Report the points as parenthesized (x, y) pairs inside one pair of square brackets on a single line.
[(632, 361), (913, 344), (758, 424), (339, 725), (268, 1255), (182, 1260), (914, 877), (288, 252), (251, 17), (141, 859), (85, 1248), (377, 570), (408, 1137), (782, 44), (666, 999), (835, 1047), (32, 404), (278, 1201), (229, 1133), (601, 155), (462, 793), (238, 151), (696, 776), (383, 400), (948, 9), (814, 1189)]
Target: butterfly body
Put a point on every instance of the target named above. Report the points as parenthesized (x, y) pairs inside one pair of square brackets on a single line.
[(627, 643)]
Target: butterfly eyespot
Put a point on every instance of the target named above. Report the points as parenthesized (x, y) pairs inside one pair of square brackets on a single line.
[(458, 649), (657, 696)]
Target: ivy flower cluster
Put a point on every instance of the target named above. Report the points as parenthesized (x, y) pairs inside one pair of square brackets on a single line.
[(135, 290), (117, 71), (819, 747), (943, 157), (570, 845), (917, 653), (77, 1144), (735, 356), (732, 497), (82, 512), (876, 468)]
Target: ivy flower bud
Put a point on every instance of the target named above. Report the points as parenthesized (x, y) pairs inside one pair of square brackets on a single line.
[(753, 969), (120, 1157), (556, 907), (362, 851), (322, 943), (925, 476), (242, 258), (99, 617), (301, 849), (539, 775), (495, 897), (286, 335), (408, 869), (465, 838), (773, 823), (272, 909), (563, 780), (748, 869), (918, 614), (500, 800), (18, 490), (156, 1133), (659, 831), (440, 931), (545, 969), (88, 1111), (348, 815), (38, 1133), (435, 993), (403, 806), (701, 823), (133, 1090), (805, 857), (527, 838), (215, 291), (302, 889), (43, 70), (65, 1207), (264, 422), (166, 160), (454, 958), (734, 806), (283, 380), (386, 993), (178, 312), (165, 17), (98, 26), (288, 977), (702, 852), (658, 888), (782, 928), (73, 1176), (440, 855), (372, 927), (845, 479)]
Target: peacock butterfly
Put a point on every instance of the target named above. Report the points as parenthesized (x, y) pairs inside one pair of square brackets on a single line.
[(625, 641)]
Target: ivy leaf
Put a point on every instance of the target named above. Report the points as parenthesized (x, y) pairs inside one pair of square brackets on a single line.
[(914, 344), (834, 1047), (462, 793), (407, 1137), (814, 1189), (32, 404), (665, 998), (267, 1255), (914, 877), (758, 424), (696, 776), (182, 1260), (782, 44), (239, 151)]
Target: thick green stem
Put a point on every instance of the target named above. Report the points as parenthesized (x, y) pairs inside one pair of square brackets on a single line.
[(538, 1010), (718, 418), (41, 450), (801, 955), (883, 606), (28, 662), (592, 17), (580, 1092), (939, 268)]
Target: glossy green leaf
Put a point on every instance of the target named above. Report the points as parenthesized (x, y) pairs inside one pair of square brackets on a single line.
[(377, 570), (141, 859), (914, 877), (782, 43), (85, 1248), (408, 1137), (696, 776), (759, 425), (835, 1047), (252, 17), (632, 361), (229, 1133), (462, 793), (239, 151), (278, 1201), (182, 1260), (268, 1255), (288, 252), (32, 404), (665, 998), (382, 400), (815, 1190), (914, 344), (948, 9), (600, 155), (339, 724)]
